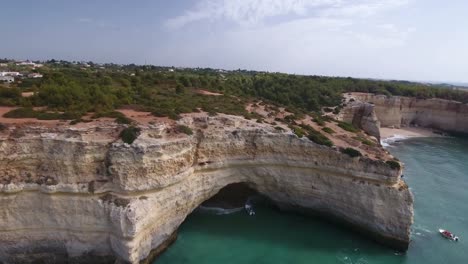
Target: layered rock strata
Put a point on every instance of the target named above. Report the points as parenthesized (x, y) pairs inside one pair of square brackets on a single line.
[(396, 111), (75, 195), (362, 115)]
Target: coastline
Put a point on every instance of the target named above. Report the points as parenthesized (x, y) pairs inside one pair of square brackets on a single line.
[(391, 135)]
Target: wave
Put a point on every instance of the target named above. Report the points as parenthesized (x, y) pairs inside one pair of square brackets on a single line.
[(219, 211), (392, 140)]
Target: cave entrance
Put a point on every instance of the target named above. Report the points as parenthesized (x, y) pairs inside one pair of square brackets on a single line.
[(232, 196)]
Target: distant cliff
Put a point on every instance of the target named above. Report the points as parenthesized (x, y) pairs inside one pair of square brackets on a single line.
[(399, 112), (84, 196)]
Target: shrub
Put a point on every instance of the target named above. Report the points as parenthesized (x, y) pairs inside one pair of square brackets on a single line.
[(298, 131), (174, 116), (161, 112), (353, 153), (123, 120), (9, 96), (49, 116), (129, 134), (320, 139), (74, 122), (184, 129), (278, 128), (27, 112), (348, 127), (290, 119), (79, 120), (319, 121), (368, 142), (110, 114), (120, 118), (70, 115), (395, 165), (328, 130), (364, 141), (316, 136)]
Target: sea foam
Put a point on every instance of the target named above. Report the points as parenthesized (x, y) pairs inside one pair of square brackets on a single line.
[(219, 211), (392, 140)]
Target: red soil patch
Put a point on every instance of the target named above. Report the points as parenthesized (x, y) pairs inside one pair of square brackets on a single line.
[(205, 92), (144, 117), (27, 94)]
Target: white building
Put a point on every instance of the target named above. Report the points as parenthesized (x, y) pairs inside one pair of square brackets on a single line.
[(35, 75), (9, 74), (7, 79), (29, 63)]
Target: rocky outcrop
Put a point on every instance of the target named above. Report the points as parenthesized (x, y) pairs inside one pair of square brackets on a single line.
[(363, 116), (82, 194), (399, 112)]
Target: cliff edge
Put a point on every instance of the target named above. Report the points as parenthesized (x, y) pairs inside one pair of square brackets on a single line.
[(398, 112), (82, 195)]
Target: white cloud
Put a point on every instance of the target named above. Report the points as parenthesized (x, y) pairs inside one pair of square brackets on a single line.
[(253, 12), (363, 8), (319, 36), (245, 12)]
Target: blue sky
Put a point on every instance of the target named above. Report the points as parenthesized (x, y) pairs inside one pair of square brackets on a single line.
[(391, 39)]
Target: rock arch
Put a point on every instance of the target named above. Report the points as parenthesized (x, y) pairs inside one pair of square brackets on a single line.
[(113, 200)]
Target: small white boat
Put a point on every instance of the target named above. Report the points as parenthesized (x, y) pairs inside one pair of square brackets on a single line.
[(448, 235)]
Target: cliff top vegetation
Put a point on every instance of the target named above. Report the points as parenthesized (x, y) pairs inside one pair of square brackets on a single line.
[(74, 89)]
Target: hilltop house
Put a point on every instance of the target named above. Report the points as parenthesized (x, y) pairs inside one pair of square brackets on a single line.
[(29, 63), (7, 79), (9, 74), (34, 75)]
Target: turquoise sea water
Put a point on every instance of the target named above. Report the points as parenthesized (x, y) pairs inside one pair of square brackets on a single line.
[(437, 172)]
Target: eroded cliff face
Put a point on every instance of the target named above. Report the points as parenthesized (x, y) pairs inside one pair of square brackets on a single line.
[(362, 115), (83, 194), (399, 112)]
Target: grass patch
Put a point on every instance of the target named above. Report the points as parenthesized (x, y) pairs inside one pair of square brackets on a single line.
[(299, 132), (319, 121), (328, 130), (348, 127), (316, 136), (353, 153), (364, 141), (184, 129)]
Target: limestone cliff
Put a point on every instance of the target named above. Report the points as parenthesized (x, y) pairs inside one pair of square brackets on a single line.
[(362, 115), (399, 112), (82, 194)]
